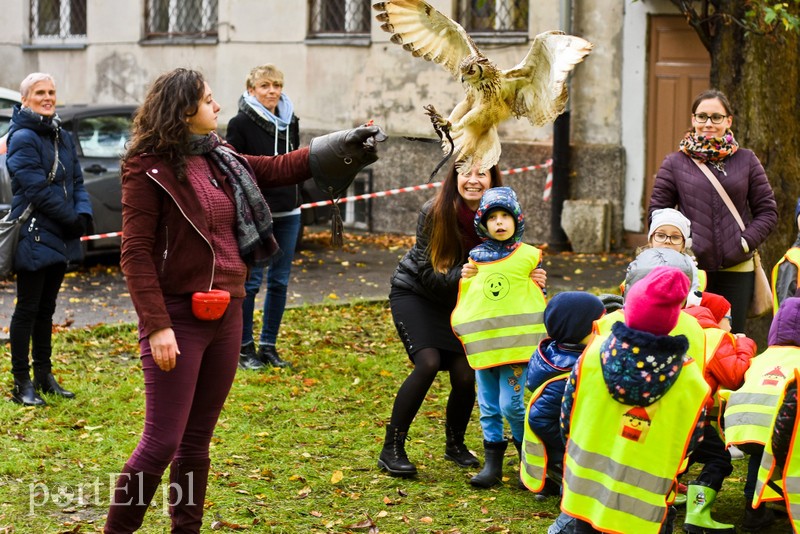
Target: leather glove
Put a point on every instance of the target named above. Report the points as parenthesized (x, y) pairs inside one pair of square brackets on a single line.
[(77, 226), (337, 157)]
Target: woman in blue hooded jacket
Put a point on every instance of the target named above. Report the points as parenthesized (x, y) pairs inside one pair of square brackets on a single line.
[(45, 173)]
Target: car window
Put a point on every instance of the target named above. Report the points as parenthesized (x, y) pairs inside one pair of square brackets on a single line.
[(103, 136)]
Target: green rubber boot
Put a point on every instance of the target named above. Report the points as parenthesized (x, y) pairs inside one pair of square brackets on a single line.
[(699, 499)]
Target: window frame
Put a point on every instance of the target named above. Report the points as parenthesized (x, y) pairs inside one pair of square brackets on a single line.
[(500, 36), (209, 34), (358, 36), (64, 38)]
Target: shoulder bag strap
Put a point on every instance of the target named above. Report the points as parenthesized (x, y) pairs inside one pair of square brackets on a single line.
[(722, 193)]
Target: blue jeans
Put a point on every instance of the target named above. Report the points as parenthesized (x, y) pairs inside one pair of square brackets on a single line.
[(500, 392), (286, 230)]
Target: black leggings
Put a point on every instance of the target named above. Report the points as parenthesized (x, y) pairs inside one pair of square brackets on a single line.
[(427, 363), (738, 289), (32, 320)]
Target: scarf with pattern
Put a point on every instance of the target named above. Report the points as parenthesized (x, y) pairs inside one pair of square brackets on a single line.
[(253, 219), (709, 150)]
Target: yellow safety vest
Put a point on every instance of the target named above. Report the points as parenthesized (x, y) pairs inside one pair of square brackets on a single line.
[(687, 326), (748, 413), (622, 461), (702, 282), (499, 316), (792, 256), (787, 480), (533, 462)]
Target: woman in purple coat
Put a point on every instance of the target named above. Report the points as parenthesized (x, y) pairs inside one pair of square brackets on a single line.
[(722, 249)]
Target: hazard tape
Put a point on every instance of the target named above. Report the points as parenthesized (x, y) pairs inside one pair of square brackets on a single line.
[(546, 165)]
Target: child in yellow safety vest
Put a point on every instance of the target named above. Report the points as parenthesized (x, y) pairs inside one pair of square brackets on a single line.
[(499, 320), (750, 409), (786, 273), (635, 401)]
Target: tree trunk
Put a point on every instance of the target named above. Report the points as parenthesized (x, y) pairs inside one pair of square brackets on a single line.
[(761, 76)]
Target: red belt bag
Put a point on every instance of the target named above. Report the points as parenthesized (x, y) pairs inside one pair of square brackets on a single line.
[(210, 305)]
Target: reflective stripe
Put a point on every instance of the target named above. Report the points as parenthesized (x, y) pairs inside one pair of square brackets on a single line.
[(536, 449), (612, 499), (793, 484), (617, 471), (494, 323), (761, 399), (503, 342), (763, 469), (747, 418)]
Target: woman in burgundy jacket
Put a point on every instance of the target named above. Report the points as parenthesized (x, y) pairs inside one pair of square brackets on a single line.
[(722, 249), (194, 221)]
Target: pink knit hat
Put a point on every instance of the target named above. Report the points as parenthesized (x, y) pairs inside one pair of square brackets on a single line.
[(654, 303)]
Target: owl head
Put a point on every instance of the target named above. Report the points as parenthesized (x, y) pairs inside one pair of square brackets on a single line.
[(477, 70)]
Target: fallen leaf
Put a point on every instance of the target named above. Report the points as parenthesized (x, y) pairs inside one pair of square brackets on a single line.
[(426, 519), (337, 477)]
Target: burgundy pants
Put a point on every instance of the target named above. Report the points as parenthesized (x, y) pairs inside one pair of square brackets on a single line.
[(182, 406)]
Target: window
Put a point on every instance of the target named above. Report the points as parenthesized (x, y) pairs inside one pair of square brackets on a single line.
[(339, 18), (357, 214), (58, 20), (103, 136), (494, 16), (181, 19)]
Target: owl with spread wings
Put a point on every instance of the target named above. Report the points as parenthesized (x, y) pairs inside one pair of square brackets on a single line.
[(536, 88)]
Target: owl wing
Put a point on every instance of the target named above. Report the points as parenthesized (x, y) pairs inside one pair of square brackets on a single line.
[(536, 88), (425, 32)]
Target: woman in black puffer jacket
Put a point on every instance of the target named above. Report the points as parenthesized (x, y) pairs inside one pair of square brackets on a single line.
[(423, 294), (45, 173)]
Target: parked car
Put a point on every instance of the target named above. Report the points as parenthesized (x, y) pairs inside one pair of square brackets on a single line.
[(9, 97), (100, 133)]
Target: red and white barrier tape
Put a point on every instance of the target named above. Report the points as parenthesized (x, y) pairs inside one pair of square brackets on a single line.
[(546, 165)]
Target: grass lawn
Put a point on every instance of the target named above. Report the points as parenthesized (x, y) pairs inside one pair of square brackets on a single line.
[(294, 451)]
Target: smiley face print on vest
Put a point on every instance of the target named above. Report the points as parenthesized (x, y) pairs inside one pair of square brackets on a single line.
[(496, 286)]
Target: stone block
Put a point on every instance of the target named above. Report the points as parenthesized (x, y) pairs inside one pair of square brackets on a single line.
[(587, 224)]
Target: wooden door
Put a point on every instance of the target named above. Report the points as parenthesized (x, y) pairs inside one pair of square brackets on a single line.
[(678, 70)]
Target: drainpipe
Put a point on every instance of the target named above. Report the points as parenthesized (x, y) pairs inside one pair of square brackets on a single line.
[(561, 154)]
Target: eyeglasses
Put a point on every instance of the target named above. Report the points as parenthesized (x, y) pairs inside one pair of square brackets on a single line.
[(661, 237), (716, 118)]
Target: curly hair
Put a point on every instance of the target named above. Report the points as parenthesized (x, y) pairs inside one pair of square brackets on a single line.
[(160, 126), (445, 246)]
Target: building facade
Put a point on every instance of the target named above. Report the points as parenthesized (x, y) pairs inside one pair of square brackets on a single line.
[(342, 70)]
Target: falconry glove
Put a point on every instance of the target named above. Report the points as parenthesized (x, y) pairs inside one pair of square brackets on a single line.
[(336, 159)]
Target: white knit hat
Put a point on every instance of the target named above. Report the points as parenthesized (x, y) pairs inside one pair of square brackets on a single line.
[(674, 218)]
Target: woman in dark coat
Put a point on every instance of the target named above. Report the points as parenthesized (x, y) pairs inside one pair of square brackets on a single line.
[(722, 249), (267, 126), (46, 174)]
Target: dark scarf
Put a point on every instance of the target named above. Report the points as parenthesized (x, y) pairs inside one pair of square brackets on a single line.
[(253, 219), (711, 151), (466, 226)]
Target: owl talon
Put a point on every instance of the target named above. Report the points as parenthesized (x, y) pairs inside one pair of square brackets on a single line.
[(440, 125)]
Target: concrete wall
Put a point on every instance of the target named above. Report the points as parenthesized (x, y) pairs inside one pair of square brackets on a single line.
[(335, 86)]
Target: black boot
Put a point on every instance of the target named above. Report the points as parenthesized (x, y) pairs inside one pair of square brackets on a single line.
[(455, 450), (269, 356), (188, 480), (393, 456), (24, 393), (47, 383), (757, 519), (248, 360), (131, 498), (492, 472)]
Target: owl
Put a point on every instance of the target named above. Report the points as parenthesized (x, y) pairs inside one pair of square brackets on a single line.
[(536, 88)]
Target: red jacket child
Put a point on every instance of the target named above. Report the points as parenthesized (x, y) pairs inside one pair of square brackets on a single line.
[(727, 355)]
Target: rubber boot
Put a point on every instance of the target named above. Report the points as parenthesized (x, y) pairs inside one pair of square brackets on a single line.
[(492, 472), (393, 456), (47, 383), (699, 500), (757, 519), (24, 393), (455, 450), (188, 480), (132, 495)]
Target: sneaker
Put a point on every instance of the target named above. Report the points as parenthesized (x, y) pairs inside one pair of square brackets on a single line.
[(269, 356), (248, 359)]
